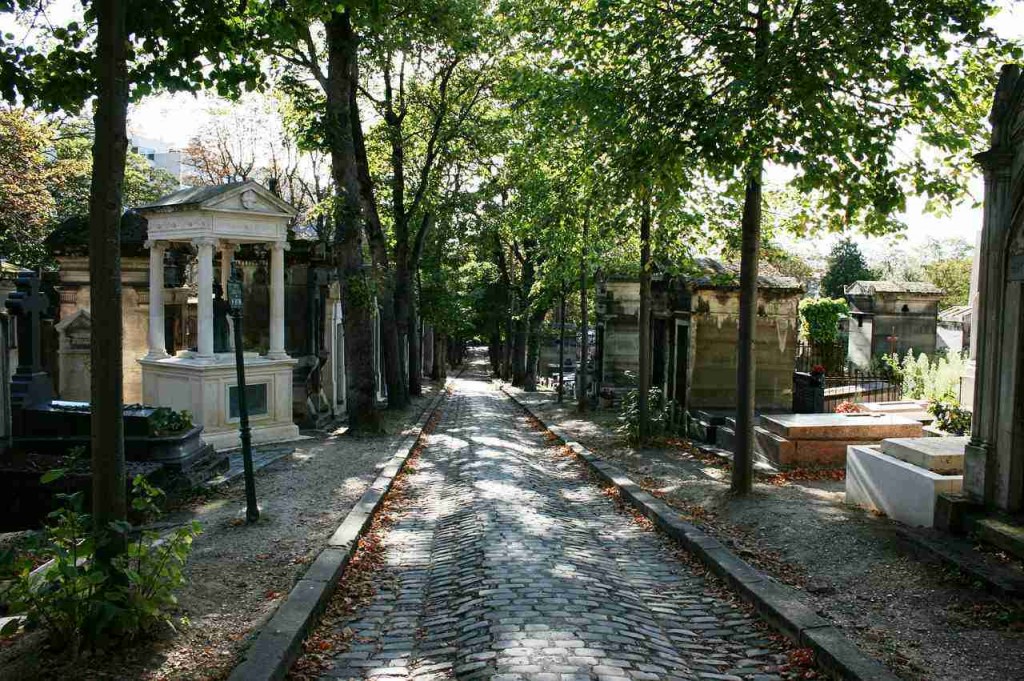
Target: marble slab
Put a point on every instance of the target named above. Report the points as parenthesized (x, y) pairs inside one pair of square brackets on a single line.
[(862, 427), (937, 454)]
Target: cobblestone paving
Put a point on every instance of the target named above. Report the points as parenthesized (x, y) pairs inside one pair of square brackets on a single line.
[(510, 564)]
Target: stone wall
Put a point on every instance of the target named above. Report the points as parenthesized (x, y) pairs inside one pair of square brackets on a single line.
[(74, 374), (715, 327)]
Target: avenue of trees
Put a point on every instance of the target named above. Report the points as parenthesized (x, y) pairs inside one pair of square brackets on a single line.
[(477, 161)]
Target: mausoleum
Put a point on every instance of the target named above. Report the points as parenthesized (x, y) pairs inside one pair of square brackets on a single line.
[(218, 219), (891, 316), (694, 330)]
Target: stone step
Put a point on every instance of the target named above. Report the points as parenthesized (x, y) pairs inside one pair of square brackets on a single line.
[(1006, 535), (937, 454)]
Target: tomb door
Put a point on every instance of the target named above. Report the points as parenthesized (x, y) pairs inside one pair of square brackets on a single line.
[(680, 362), (659, 356)]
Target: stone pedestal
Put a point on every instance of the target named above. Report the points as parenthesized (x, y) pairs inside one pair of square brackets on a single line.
[(207, 388)]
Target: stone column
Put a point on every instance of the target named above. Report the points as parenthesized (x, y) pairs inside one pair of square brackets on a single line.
[(979, 458), (157, 342), (204, 323), (227, 254), (277, 249)]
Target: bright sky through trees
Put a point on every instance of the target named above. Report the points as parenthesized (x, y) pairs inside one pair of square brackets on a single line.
[(176, 118)]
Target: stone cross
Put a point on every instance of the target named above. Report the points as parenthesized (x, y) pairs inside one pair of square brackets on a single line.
[(30, 384)]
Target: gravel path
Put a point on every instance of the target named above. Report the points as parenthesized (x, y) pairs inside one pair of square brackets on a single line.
[(507, 562)]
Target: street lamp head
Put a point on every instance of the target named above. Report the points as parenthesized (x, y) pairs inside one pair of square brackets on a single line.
[(235, 296)]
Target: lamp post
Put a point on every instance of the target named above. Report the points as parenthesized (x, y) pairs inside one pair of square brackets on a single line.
[(252, 511)]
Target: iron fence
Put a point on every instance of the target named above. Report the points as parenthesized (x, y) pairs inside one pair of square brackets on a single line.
[(857, 387)]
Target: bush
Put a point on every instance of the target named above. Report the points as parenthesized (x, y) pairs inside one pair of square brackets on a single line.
[(819, 319), (81, 602), (921, 378), (662, 414), (951, 418)]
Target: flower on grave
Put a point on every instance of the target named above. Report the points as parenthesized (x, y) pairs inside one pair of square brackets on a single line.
[(847, 407), (818, 370)]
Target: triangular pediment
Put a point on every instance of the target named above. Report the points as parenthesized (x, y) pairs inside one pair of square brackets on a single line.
[(250, 197), (245, 197), (75, 323)]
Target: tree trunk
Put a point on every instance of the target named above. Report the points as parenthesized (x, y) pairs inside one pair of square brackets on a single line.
[(583, 403), (743, 456), (356, 295), (746, 370), (415, 345), (533, 349), (440, 370), (520, 338), (105, 196), (390, 338), (561, 345), (644, 379)]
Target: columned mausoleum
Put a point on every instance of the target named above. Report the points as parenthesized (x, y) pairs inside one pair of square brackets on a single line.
[(994, 458), (216, 220)]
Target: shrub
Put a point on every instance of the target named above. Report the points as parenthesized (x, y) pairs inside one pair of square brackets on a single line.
[(661, 414), (819, 319), (164, 421), (951, 418), (921, 378), (81, 602)]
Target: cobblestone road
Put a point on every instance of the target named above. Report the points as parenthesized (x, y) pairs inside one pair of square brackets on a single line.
[(508, 563)]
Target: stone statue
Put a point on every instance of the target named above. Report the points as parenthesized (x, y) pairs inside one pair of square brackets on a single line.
[(221, 309)]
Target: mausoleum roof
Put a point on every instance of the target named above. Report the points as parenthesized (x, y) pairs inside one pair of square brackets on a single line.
[(870, 288), (195, 198), (714, 273)]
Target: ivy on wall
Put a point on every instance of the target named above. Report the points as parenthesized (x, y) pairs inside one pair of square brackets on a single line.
[(819, 319)]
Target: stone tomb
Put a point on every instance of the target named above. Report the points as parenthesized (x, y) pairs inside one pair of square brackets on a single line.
[(204, 381), (903, 477), (821, 440)]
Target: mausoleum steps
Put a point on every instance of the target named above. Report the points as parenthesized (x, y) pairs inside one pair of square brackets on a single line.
[(1003, 532)]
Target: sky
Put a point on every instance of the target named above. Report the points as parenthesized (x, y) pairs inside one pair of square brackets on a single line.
[(174, 118)]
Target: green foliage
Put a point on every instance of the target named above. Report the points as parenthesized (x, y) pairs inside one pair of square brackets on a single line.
[(819, 319), (953, 276), (846, 265), (921, 378), (950, 417), (45, 173), (166, 421), (77, 600), (662, 415)]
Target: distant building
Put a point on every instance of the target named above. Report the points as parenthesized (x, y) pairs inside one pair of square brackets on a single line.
[(891, 316), (159, 154)]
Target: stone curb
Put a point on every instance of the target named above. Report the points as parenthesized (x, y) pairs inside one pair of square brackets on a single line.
[(277, 644), (778, 603)]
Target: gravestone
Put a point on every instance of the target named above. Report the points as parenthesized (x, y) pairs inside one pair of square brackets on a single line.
[(30, 385)]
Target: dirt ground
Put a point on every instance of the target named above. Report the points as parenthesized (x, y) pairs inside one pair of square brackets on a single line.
[(237, 574), (922, 620)]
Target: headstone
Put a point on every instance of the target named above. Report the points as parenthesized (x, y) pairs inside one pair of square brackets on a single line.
[(30, 385)]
